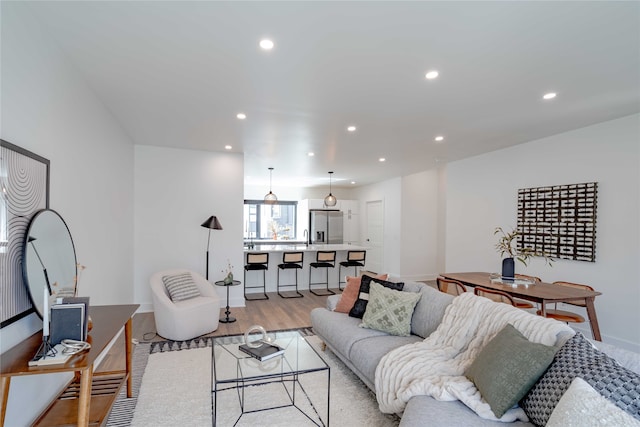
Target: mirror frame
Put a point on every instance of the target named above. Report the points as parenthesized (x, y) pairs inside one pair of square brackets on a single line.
[(35, 295)]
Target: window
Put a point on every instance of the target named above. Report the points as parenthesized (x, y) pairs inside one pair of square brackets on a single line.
[(270, 222)]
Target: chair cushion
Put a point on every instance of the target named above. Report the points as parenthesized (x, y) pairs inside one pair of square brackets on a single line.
[(181, 286)]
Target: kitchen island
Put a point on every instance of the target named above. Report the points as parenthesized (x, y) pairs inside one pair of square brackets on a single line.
[(275, 252)]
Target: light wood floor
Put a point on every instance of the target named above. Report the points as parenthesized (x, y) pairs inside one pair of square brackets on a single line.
[(273, 314)]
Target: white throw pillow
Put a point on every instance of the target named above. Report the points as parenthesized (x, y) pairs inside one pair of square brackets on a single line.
[(181, 287), (582, 406)]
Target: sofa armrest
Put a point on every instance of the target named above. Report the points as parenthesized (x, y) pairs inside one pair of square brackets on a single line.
[(332, 302)]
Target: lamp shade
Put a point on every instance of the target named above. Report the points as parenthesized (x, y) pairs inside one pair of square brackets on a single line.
[(212, 223), (270, 198), (330, 200)]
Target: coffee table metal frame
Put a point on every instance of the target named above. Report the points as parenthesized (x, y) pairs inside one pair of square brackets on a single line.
[(299, 358)]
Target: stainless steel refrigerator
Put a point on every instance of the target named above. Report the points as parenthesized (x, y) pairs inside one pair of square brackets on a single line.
[(326, 226)]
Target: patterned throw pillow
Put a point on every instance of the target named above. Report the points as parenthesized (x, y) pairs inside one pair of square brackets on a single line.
[(507, 367), (582, 406), (181, 286), (578, 358), (350, 293), (389, 310), (363, 296)]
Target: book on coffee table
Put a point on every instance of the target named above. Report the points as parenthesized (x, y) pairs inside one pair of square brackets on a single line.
[(266, 351)]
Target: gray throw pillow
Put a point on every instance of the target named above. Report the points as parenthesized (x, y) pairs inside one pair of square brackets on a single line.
[(389, 310), (181, 286), (578, 358), (360, 305), (507, 367)]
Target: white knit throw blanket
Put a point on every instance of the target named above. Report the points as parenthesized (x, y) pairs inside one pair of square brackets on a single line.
[(435, 367)]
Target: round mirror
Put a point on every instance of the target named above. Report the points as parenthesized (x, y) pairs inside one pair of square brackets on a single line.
[(49, 259)]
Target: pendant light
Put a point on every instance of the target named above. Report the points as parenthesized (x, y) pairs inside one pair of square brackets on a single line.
[(330, 200), (270, 199)]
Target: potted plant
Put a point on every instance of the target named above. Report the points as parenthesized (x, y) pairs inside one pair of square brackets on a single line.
[(505, 246)]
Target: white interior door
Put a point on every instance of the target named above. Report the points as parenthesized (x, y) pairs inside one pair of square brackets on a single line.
[(375, 236)]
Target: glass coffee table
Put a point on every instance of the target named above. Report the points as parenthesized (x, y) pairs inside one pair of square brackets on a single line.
[(298, 379)]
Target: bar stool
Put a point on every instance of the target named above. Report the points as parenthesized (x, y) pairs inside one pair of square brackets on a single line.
[(355, 259), (326, 260), (290, 260), (256, 262)]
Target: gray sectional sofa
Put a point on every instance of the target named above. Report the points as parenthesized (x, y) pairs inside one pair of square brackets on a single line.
[(361, 349)]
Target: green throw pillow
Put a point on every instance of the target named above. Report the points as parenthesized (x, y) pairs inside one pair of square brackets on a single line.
[(507, 367), (389, 310)]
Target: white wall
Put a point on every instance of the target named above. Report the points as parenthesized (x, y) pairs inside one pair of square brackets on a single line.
[(390, 193), (482, 194), (47, 108), (176, 191), (419, 242)]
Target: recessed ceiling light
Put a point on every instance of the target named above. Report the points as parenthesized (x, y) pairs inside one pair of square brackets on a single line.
[(439, 138), (382, 159), (351, 128), (241, 116), (431, 75), (549, 95), (266, 44), (228, 147), (353, 182), (311, 154)]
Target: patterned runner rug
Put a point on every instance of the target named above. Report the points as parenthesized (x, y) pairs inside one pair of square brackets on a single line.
[(172, 388)]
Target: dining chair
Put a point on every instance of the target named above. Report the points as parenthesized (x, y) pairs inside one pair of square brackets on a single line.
[(494, 295), (568, 316), (521, 303), (449, 286)]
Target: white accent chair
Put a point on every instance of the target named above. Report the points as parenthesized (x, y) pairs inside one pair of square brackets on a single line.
[(183, 320)]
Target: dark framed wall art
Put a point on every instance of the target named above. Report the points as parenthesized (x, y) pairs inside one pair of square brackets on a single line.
[(24, 190), (559, 221)]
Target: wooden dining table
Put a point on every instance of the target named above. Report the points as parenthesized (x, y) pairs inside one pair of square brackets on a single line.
[(538, 292)]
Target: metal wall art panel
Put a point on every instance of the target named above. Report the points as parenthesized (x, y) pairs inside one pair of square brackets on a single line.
[(24, 190), (559, 221)]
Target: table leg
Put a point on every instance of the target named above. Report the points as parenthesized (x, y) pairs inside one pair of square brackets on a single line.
[(6, 382), (593, 319), (84, 400), (227, 319), (129, 351)]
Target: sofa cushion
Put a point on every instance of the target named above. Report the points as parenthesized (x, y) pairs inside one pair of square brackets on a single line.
[(582, 406), (366, 353), (426, 411), (350, 293), (507, 367), (340, 330), (360, 305), (389, 310), (181, 286), (578, 358), (429, 311)]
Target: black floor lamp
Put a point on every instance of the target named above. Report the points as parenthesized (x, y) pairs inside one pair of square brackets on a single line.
[(212, 224)]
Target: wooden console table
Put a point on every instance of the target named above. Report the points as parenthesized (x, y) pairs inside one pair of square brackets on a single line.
[(88, 398)]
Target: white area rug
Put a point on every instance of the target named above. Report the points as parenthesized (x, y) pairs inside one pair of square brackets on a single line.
[(176, 391)]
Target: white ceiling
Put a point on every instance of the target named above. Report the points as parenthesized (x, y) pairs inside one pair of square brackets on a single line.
[(176, 73)]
